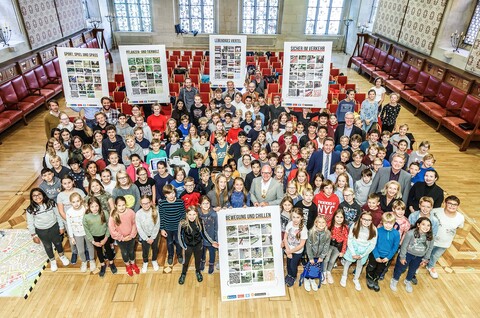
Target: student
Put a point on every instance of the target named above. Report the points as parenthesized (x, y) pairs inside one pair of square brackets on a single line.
[(292, 192), (390, 113), (145, 184), (317, 183), (141, 141), (131, 148), (293, 243), (171, 211), (157, 120), (122, 127), (89, 155), (106, 180), (373, 206), (350, 207), (449, 220), (191, 233), (113, 143), (190, 196), (50, 184), (338, 244), (46, 225), (219, 194), (148, 226), (418, 155), (239, 197), (95, 224), (136, 163), (326, 201), (155, 153), (345, 106), (124, 230), (115, 167), (205, 183), (55, 147), (309, 209), (425, 209), (178, 180), (388, 240), (317, 245), (362, 187), (220, 149), (385, 143), (127, 189), (362, 239), (197, 110), (97, 190), (209, 219), (369, 111), (186, 153), (286, 207), (91, 173), (161, 178), (341, 184), (76, 232), (76, 172), (415, 251)]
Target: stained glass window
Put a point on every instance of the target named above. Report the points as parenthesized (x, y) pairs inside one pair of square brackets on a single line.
[(324, 17), (260, 16), (197, 15), (474, 26), (133, 15)]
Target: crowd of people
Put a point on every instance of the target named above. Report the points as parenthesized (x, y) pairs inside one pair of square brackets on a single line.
[(347, 189)]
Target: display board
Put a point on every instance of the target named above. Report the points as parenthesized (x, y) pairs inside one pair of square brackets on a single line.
[(251, 258), (84, 76), (228, 59), (306, 73), (145, 73)]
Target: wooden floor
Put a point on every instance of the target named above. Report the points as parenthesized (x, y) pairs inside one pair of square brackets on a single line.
[(69, 293)]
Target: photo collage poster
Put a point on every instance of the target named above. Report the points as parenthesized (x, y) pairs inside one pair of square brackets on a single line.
[(228, 59), (145, 73), (306, 73), (251, 258), (84, 76)]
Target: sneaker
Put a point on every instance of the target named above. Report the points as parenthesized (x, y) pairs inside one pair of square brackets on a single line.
[(343, 281), (181, 280), (414, 280), (83, 267), (199, 277), (217, 266), (144, 267), (324, 280), (53, 265), (170, 260), (307, 284), (356, 282), (433, 272), (376, 287), (103, 269), (73, 260), (370, 283), (329, 277), (408, 286), (113, 268), (180, 260), (382, 276), (290, 281), (129, 270), (393, 284), (155, 266), (313, 284), (93, 266), (211, 268), (135, 268), (65, 260), (202, 265)]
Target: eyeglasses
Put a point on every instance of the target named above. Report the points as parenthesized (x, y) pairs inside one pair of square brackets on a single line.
[(37, 195), (452, 203), (142, 174), (366, 220), (189, 185)]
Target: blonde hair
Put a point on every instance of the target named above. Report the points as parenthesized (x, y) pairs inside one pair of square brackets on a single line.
[(388, 217)]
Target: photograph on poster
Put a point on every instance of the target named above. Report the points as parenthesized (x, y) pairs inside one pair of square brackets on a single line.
[(228, 61)]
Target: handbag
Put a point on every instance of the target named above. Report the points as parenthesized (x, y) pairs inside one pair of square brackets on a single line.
[(312, 271), (466, 126)]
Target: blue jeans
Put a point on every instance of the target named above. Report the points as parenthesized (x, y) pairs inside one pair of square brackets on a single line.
[(437, 252), (413, 263), (172, 239), (90, 122), (211, 253), (292, 264)]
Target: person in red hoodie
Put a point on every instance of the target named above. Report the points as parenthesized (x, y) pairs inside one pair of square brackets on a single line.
[(157, 121), (190, 197), (373, 206), (326, 201), (232, 136)]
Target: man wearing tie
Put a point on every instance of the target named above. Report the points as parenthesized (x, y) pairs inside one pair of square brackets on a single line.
[(323, 160), (265, 190)]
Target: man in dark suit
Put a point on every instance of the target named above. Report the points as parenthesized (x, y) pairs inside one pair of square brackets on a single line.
[(323, 160), (347, 129), (395, 172)]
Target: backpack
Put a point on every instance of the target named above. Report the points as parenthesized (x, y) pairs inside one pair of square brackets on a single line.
[(251, 69), (312, 271)]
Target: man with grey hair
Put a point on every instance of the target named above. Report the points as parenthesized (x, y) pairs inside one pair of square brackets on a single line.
[(265, 190), (347, 129)]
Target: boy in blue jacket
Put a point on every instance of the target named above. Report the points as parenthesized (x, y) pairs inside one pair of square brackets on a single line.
[(388, 240)]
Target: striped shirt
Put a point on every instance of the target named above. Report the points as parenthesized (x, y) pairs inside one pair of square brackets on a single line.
[(170, 214)]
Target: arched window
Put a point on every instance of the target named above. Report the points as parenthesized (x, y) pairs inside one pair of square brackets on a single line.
[(197, 15), (133, 15), (324, 17), (260, 16)]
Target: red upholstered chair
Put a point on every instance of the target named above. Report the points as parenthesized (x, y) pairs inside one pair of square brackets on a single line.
[(51, 74), (119, 78), (197, 58), (177, 53), (266, 71), (262, 65), (342, 81), (250, 59), (373, 61), (195, 79), (174, 58), (187, 53), (171, 64), (205, 98), (56, 64), (276, 65), (193, 70), (273, 88), (395, 81), (469, 114), (178, 78), (35, 88), (431, 100), (436, 108), (198, 53), (119, 97), (359, 60), (196, 64), (174, 89), (205, 88), (24, 95), (261, 59), (413, 93), (112, 87), (351, 86), (206, 71), (382, 71), (334, 72), (455, 100), (45, 81), (184, 64), (273, 59), (9, 115)]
